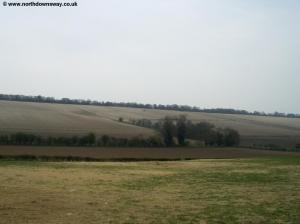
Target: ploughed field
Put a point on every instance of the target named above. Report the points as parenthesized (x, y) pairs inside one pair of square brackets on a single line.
[(251, 190), (67, 120), (111, 153)]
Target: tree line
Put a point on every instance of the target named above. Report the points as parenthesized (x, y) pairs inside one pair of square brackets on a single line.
[(175, 107), (90, 139)]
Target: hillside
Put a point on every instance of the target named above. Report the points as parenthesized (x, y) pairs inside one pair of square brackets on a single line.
[(62, 119)]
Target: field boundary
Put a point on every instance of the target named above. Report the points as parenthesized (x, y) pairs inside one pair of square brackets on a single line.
[(82, 159), (130, 154)]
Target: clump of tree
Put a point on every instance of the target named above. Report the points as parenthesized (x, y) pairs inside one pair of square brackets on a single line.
[(173, 130), (211, 135), (177, 131), (146, 123)]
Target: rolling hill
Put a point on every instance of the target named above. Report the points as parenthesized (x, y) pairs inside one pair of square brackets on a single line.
[(65, 119)]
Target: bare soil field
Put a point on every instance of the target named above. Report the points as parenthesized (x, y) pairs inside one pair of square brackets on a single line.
[(139, 153), (248, 191), (60, 119)]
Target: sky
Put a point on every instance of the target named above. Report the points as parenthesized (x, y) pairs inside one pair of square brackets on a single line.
[(242, 54)]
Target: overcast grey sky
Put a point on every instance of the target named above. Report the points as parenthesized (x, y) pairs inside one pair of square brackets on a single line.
[(243, 54)]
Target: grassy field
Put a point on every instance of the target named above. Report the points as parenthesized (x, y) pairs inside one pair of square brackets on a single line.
[(58, 119), (257, 190)]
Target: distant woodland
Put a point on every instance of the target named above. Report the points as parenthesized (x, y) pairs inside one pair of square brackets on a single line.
[(175, 107)]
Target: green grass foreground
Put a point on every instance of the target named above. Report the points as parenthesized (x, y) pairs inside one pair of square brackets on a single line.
[(264, 190)]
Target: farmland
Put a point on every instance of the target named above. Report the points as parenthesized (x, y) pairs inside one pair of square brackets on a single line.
[(228, 185), (67, 120), (256, 190)]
